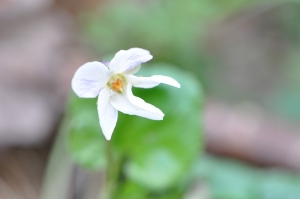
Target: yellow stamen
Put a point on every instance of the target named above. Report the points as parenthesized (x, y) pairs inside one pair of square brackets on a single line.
[(117, 86)]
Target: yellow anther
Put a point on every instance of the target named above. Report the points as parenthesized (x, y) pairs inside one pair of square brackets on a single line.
[(117, 86)]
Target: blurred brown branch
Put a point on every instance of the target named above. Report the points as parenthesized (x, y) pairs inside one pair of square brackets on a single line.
[(248, 133)]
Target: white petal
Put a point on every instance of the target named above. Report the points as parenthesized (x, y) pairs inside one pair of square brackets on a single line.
[(150, 82), (89, 79), (134, 70), (132, 105), (108, 115), (126, 60)]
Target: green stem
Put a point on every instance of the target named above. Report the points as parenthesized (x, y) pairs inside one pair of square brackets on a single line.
[(112, 171), (109, 166)]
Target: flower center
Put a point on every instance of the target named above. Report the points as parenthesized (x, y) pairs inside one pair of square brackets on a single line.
[(117, 86), (116, 83)]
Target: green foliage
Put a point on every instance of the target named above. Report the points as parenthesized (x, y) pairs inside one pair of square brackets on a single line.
[(135, 191), (230, 179), (85, 140), (157, 154), (160, 152), (173, 30)]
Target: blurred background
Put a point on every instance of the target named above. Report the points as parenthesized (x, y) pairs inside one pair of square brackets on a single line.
[(246, 54)]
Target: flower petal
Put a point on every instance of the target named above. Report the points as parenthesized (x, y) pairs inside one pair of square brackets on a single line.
[(89, 79), (108, 115), (126, 60), (129, 104), (134, 70), (150, 82)]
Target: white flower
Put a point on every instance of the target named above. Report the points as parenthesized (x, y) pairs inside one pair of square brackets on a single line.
[(113, 86)]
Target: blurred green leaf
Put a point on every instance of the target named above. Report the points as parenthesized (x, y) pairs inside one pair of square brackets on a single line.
[(133, 190), (157, 170), (85, 141), (231, 179), (161, 152)]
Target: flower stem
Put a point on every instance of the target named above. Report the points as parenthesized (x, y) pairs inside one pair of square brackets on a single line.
[(109, 164), (112, 171)]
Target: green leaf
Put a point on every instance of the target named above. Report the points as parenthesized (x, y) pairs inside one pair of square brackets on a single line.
[(161, 152), (86, 142), (158, 169), (231, 179), (132, 190)]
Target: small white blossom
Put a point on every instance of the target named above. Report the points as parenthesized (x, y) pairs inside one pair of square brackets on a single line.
[(113, 86)]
